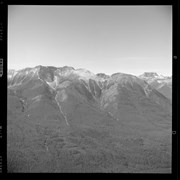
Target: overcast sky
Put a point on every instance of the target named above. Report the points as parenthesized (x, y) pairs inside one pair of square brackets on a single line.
[(108, 39)]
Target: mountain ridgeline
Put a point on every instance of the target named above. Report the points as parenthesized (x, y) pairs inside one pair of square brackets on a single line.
[(72, 120), (161, 83)]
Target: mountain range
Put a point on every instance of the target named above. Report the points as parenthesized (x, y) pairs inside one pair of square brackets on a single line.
[(72, 120), (161, 83)]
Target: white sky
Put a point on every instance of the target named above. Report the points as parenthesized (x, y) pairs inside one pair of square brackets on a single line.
[(107, 39)]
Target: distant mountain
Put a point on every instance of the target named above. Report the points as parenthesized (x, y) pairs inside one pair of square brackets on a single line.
[(72, 120), (103, 76), (161, 83)]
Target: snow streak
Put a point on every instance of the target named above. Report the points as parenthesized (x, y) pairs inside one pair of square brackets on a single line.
[(61, 111)]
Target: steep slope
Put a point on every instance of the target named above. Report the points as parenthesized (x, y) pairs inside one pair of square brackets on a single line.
[(68, 120), (133, 101), (163, 84)]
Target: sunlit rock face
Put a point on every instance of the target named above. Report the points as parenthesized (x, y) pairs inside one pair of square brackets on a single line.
[(161, 83), (62, 119)]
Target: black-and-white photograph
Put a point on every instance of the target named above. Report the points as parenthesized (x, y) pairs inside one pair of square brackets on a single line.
[(89, 89)]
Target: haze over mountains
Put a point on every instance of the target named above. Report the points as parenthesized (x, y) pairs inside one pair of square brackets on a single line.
[(72, 120)]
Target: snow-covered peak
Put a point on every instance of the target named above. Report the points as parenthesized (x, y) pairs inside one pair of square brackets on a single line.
[(149, 75), (64, 71), (161, 83), (84, 74), (26, 71), (152, 76), (35, 69)]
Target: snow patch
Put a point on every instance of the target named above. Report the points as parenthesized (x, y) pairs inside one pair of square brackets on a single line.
[(37, 98), (60, 109), (110, 114), (86, 85), (62, 96), (54, 83), (35, 70), (84, 74), (64, 84), (147, 90), (66, 72)]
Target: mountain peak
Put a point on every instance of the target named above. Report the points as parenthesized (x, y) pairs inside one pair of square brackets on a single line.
[(150, 74), (102, 75), (67, 68), (84, 73)]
